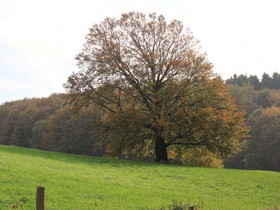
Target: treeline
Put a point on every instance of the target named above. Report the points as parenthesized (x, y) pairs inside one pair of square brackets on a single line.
[(261, 102), (266, 82), (49, 124)]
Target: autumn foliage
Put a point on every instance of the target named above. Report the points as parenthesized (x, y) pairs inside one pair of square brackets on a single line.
[(261, 150), (155, 88), (47, 123), (50, 124), (144, 90)]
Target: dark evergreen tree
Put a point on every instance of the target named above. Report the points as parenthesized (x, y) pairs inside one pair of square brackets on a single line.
[(255, 82), (276, 80), (267, 81)]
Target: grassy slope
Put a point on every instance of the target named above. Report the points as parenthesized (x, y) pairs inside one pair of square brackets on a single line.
[(82, 182)]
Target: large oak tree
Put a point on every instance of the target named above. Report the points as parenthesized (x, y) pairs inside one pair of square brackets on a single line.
[(155, 88)]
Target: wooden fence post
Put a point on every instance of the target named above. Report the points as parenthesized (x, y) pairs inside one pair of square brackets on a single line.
[(40, 198)]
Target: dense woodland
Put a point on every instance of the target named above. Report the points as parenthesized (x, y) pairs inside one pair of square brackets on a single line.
[(50, 124), (260, 98), (47, 123)]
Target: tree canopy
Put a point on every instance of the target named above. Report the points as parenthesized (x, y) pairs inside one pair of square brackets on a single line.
[(155, 87), (266, 82), (261, 150)]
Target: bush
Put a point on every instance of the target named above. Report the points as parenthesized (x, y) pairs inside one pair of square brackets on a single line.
[(179, 205), (201, 157)]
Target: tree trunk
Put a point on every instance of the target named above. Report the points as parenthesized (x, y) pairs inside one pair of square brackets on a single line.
[(161, 150)]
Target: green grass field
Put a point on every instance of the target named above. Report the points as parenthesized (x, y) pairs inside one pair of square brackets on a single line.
[(84, 182)]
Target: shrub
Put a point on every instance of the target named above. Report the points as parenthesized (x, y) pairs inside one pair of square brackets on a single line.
[(179, 205), (201, 157)]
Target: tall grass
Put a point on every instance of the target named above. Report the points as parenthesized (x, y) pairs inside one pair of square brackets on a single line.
[(85, 182)]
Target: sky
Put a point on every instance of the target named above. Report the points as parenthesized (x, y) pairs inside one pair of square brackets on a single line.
[(40, 38)]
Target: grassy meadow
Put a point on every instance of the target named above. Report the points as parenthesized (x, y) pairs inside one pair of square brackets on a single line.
[(85, 182)]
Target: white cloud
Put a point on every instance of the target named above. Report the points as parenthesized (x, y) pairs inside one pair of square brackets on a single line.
[(39, 39), (11, 85), (11, 89)]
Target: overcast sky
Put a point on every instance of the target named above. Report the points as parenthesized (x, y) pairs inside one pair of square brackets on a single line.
[(40, 38)]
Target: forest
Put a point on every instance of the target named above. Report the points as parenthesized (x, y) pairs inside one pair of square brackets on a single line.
[(51, 124), (260, 98)]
